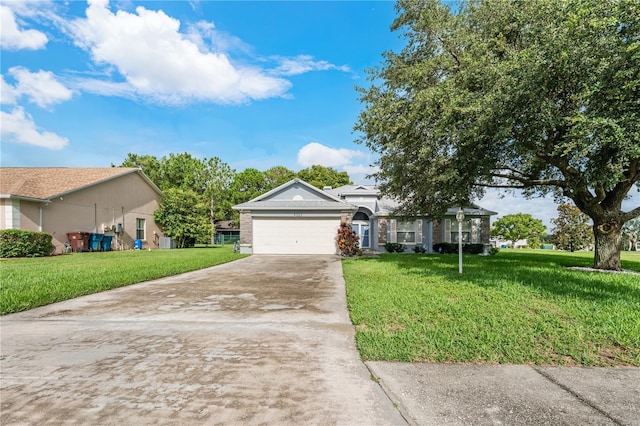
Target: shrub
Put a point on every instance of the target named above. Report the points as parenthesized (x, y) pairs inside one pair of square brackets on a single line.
[(17, 243), (451, 248), (419, 249), (493, 250), (394, 247), (348, 241)]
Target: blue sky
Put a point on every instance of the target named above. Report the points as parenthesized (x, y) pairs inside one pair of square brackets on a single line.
[(257, 84)]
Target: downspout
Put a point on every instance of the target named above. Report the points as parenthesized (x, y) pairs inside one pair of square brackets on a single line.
[(40, 218), (95, 218)]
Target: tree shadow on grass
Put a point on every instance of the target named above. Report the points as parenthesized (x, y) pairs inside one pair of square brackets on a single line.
[(544, 273)]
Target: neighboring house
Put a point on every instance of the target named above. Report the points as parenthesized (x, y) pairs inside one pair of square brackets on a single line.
[(299, 218), (226, 232), (502, 243), (113, 201)]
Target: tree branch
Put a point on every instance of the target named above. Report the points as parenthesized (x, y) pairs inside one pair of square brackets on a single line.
[(527, 182)]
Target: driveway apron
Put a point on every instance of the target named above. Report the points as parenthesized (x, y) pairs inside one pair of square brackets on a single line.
[(262, 340)]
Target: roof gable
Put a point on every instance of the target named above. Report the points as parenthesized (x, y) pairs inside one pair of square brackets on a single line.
[(296, 190), (49, 182), (295, 194)]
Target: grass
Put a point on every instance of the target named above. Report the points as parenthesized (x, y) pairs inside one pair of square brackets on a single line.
[(29, 283), (521, 307)]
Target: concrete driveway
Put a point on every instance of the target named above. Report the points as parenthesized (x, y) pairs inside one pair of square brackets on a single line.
[(263, 340)]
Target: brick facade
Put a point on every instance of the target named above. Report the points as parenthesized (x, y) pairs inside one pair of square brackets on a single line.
[(437, 231), (346, 217), (246, 228), (382, 230)]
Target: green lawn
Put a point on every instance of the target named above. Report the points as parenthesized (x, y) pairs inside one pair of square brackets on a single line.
[(28, 283), (522, 307)]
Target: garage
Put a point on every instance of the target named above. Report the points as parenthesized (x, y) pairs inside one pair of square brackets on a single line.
[(294, 236), (294, 218)]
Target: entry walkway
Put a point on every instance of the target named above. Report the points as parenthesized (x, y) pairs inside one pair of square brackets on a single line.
[(263, 340)]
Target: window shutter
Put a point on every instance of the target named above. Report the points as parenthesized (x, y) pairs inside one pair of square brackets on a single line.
[(447, 230), (393, 235), (419, 231)]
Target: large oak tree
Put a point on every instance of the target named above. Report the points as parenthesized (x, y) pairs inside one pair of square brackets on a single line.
[(538, 95)]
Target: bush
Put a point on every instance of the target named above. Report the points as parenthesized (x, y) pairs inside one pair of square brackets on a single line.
[(394, 247), (348, 240), (419, 249), (17, 243), (452, 248)]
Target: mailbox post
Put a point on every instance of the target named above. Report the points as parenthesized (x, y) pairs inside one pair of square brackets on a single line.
[(460, 218)]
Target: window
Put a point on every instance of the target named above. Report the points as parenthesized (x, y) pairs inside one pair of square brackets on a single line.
[(362, 231), (470, 230), (140, 229), (405, 232)]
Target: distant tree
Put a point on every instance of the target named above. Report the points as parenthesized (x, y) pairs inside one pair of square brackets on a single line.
[(320, 176), (572, 229), (183, 216), (149, 164), (183, 171), (519, 226), (247, 185), (631, 230), (277, 176), (175, 171), (218, 178)]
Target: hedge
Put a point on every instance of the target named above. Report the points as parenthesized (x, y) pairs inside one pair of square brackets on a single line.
[(451, 248), (17, 243)]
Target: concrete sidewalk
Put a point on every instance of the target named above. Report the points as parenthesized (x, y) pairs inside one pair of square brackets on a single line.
[(466, 394)]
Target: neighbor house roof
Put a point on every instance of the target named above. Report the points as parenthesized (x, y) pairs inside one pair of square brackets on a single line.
[(42, 183)]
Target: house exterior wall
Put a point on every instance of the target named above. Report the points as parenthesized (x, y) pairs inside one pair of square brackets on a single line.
[(120, 200), (485, 229), (30, 215)]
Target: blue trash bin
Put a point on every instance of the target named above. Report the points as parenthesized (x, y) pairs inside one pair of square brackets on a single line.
[(137, 244), (106, 242), (95, 241)]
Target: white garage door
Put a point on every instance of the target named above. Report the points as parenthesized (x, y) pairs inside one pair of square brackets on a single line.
[(295, 236)]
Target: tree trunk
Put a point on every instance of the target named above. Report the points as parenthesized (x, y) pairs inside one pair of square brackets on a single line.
[(608, 237)]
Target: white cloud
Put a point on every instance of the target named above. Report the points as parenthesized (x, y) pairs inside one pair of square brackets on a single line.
[(8, 93), (159, 62), (302, 64), (338, 158), (316, 153), (12, 37), (42, 87), (19, 127)]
